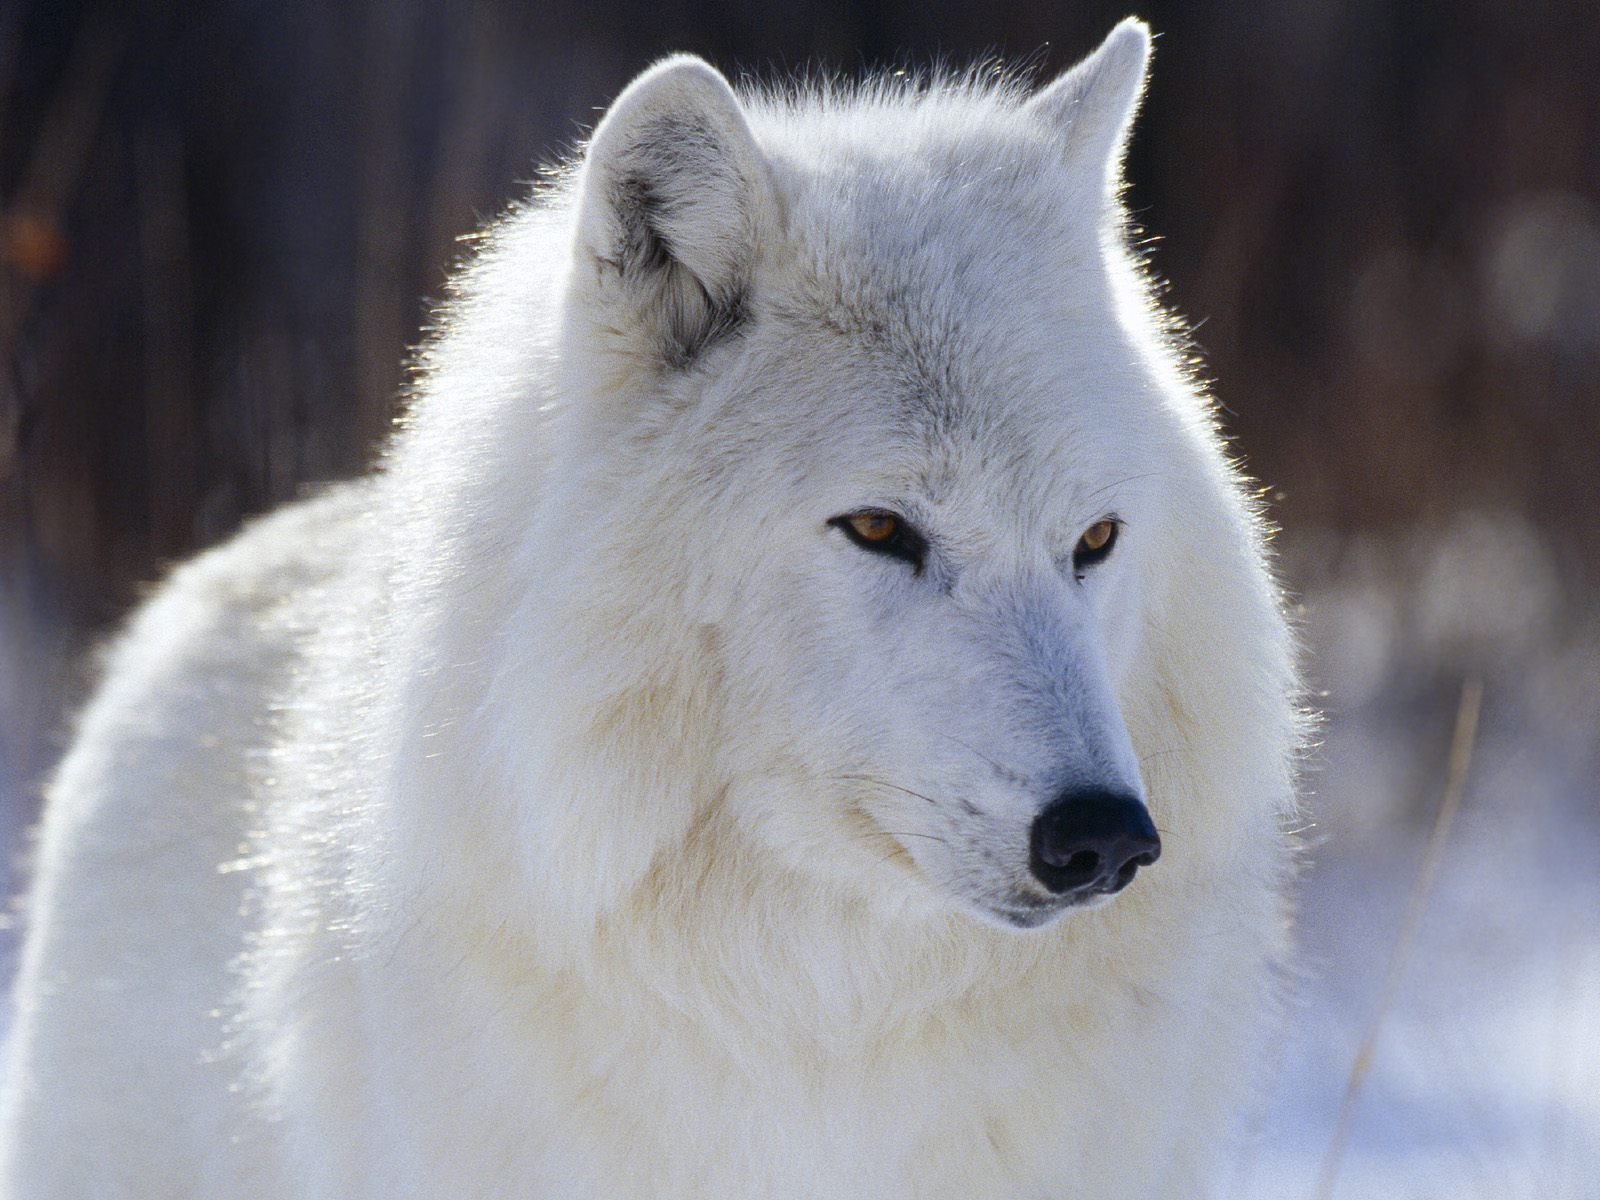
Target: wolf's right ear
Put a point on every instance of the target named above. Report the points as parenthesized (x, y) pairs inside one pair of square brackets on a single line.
[(674, 197)]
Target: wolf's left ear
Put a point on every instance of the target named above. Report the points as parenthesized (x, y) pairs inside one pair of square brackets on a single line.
[(1093, 105), (674, 198)]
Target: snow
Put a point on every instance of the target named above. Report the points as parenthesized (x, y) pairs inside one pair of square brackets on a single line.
[(1485, 1079)]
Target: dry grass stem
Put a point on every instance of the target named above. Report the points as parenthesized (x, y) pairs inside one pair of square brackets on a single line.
[(1461, 743)]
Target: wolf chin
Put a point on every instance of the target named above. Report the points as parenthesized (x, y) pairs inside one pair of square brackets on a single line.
[(803, 711)]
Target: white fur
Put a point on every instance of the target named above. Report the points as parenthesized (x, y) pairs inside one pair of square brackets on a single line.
[(571, 811)]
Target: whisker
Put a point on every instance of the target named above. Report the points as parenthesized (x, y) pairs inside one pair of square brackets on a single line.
[(1001, 770), (932, 837), (884, 783), (1126, 479)]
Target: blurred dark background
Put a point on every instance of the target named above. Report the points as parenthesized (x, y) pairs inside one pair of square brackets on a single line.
[(221, 224)]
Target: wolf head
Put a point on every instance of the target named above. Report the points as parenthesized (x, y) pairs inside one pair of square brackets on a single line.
[(869, 471)]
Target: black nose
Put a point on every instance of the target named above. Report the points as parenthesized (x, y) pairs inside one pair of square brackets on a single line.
[(1092, 840)]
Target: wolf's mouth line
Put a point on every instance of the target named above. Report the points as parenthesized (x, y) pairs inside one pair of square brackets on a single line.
[(1029, 907)]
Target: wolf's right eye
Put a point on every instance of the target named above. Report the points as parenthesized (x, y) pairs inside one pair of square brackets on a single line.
[(884, 532)]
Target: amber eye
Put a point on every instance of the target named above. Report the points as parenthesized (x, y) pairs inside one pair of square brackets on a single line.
[(1095, 544), (884, 532), (873, 526)]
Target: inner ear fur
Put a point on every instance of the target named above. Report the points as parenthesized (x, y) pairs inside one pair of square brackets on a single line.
[(674, 198)]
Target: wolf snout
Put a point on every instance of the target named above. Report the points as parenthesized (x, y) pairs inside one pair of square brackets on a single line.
[(1092, 840)]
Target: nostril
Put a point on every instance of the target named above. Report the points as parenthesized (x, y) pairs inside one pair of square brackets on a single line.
[(1084, 862), (1092, 840)]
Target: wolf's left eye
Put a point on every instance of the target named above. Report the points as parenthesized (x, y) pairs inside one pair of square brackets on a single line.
[(1096, 543), (884, 532)]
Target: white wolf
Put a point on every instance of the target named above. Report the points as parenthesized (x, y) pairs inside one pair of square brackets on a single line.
[(701, 763)]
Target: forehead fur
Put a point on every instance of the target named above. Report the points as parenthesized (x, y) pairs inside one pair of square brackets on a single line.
[(897, 194), (942, 262)]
